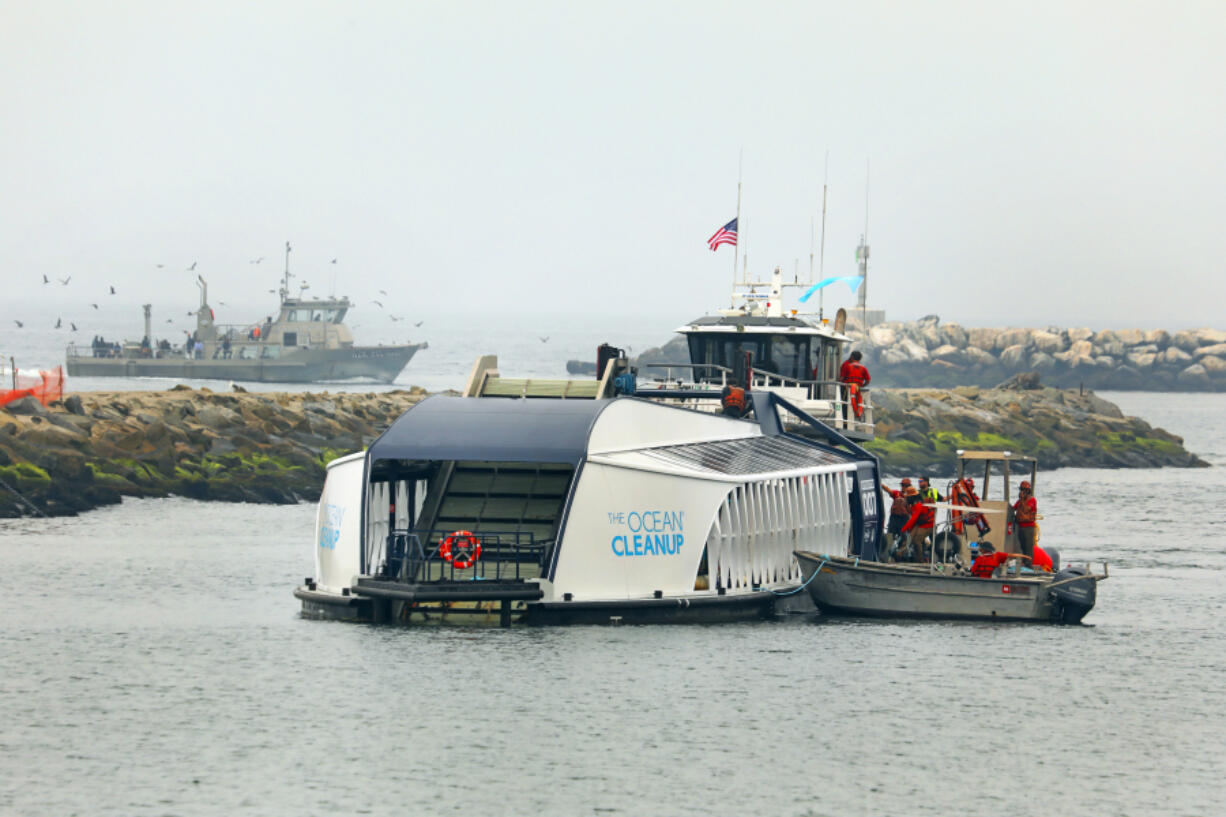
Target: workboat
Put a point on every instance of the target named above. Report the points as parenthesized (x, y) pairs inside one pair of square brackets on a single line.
[(843, 583), (790, 353), (307, 342), (584, 501)]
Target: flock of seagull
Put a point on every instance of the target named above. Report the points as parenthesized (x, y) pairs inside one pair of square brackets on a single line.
[(192, 268)]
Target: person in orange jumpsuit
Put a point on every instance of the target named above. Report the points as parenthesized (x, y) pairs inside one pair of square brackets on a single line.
[(856, 376), (920, 524), (1025, 510), (988, 560)]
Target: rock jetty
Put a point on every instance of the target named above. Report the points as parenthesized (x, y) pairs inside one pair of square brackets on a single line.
[(95, 447), (919, 430), (930, 353)]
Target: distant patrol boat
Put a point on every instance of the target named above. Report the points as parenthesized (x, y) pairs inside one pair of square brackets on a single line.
[(307, 342), (585, 501)]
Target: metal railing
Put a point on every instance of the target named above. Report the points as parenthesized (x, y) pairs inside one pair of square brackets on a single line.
[(413, 556), (835, 392)]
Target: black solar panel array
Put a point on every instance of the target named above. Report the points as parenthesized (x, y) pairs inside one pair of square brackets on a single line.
[(750, 455)]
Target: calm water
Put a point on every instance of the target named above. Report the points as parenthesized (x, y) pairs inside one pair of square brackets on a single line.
[(154, 663)]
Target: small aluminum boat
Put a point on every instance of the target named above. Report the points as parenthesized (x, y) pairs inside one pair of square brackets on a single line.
[(856, 583), (850, 586)]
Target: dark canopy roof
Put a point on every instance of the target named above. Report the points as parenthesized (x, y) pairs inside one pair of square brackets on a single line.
[(490, 429)]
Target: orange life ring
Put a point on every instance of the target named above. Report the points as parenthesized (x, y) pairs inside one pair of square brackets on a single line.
[(461, 548)]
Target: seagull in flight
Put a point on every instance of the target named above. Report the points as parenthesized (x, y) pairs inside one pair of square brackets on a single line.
[(192, 268), (395, 318), (58, 323), (19, 324), (544, 340), (333, 261), (161, 266), (381, 292), (170, 320), (46, 280), (378, 304), (64, 281), (95, 306), (73, 325), (112, 289), (419, 323), (256, 260)]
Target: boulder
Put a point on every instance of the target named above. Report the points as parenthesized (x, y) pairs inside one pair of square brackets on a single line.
[(1185, 340), (982, 338), (1216, 349), (914, 351), (1081, 333), (1042, 362), (1013, 357), (976, 356), (1114, 348), (930, 336), (1209, 337), (893, 357), (1194, 375), (1159, 337), (1174, 356), (73, 405), (1141, 360), (1048, 342), (1014, 337), (1215, 366), (947, 352), (27, 406), (1131, 337), (1024, 381), (1081, 348), (954, 335), (882, 335), (1103, 336)]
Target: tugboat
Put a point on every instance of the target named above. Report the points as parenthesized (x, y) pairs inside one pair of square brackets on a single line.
[(307, 342), (794, 355), (845, 583), (585, 501)]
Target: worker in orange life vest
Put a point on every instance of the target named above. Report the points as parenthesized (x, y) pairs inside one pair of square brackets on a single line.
[(856, 376), (988, 560), (1025, 511), (920, 524)]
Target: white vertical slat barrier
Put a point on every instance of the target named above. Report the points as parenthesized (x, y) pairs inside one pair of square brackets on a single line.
[(402, 505)]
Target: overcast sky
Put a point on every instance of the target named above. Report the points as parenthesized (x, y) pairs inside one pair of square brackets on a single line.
[(1031, 162)]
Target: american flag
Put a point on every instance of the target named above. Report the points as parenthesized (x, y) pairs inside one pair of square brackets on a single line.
[(724, 235)]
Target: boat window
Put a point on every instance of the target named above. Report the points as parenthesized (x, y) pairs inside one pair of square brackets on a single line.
[(270, 352), (289, 339), (789, 356)]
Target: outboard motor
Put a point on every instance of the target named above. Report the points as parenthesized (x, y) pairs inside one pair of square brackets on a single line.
[(947, 546), (1071, 601)]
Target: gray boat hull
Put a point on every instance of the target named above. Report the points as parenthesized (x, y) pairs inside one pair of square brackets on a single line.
[(379, 363), (850, 587)]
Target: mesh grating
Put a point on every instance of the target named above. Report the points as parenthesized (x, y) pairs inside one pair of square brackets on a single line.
[(751, 455)]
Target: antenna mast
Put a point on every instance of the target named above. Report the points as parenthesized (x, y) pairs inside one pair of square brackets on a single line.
[(285, 281), (821, 295), (862, 254)]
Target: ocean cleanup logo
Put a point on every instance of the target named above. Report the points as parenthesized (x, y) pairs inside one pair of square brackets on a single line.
[(648, 533), (330, 531)]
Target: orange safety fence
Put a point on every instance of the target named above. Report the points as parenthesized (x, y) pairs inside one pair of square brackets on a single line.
[(45, 387)]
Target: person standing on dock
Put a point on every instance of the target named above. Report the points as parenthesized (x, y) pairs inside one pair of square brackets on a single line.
[(1025, 511), (856, 376)]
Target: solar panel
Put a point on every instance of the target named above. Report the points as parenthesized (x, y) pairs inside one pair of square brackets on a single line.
[(749, 455)]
